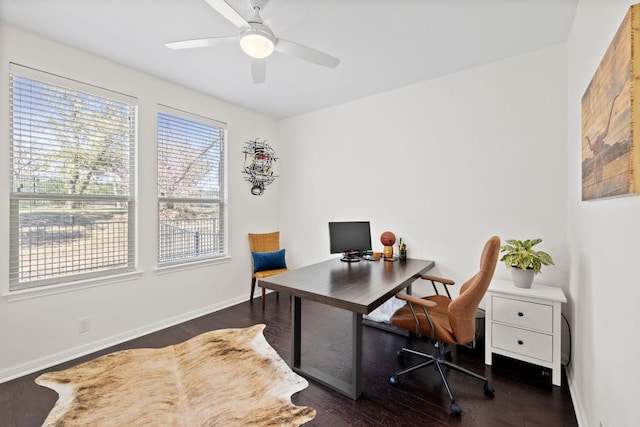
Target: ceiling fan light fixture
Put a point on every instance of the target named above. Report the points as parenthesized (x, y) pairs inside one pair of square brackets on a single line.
[(258, 41)]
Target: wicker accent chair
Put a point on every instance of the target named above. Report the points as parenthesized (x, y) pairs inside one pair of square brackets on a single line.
[(447, 321), (265, 242)]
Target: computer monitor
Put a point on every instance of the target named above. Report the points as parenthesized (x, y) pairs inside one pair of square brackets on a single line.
[(350, 238)]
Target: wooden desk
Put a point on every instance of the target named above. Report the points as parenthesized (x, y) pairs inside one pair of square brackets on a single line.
[(359, 287)]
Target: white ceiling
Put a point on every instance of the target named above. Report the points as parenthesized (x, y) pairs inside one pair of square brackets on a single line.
[(382, 44)]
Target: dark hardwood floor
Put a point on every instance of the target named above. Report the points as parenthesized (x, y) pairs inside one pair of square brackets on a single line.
[(524, 395)]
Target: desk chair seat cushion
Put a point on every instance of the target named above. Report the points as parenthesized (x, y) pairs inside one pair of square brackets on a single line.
[(454, 320), (404, 319), (266, 261)]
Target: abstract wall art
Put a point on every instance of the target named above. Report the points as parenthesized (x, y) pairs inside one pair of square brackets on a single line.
[(258, 165), (610, 120)]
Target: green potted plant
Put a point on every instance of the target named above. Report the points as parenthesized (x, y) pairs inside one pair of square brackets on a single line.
[(526, 261)]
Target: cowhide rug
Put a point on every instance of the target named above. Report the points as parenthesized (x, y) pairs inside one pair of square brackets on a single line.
[(229, 377)]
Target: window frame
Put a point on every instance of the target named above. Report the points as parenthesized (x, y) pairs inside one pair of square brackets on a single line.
[(77, 275), (221, 201)]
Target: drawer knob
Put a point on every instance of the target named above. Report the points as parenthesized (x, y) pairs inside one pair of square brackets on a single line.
[(520, 342), (520, 314)]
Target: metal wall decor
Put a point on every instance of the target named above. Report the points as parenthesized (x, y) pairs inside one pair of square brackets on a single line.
[(258, 165)]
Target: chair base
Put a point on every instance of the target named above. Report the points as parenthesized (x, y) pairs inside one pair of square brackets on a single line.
[(438, 359)]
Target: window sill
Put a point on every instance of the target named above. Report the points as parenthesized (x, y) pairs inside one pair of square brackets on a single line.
[(191, 265), (69, 287)]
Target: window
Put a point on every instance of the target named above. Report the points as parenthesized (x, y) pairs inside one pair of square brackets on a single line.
[(72, 180), (191, 188)]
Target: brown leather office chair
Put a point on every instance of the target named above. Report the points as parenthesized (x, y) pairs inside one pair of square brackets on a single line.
[(265, 243), (447, 321)]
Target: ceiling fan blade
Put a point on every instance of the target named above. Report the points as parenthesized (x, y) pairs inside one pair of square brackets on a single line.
[(194, 43), (258, 70), (224, 9), (306, 53)]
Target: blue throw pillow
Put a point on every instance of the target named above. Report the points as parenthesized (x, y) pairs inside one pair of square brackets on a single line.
[(263, 261)]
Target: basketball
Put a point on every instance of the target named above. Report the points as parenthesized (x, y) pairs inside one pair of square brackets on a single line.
[(387, 238)]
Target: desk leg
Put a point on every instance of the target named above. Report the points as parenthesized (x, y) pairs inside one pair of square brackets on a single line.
[(356, 355), (296, 332), (353, 389)]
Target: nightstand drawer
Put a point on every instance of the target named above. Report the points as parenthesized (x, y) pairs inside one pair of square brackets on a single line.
[(523, 314), (527, 343)]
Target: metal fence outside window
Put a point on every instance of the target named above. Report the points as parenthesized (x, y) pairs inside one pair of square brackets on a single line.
[(182, 239), (54, 250)]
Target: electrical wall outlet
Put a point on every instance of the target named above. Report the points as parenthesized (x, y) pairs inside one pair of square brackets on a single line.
[(84, 324)]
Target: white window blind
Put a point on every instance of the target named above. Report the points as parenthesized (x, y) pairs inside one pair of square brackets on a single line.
[(72, 180), (191, 187)]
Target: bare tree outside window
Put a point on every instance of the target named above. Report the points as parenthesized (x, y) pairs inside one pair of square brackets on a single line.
[(191, 192)]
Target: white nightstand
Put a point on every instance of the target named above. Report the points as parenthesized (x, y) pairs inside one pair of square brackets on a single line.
[(524, 324)]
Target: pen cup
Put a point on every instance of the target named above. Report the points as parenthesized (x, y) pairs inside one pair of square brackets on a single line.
[(403, 253)]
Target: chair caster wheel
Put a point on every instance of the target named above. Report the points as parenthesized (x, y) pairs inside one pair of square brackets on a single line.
[(488, 390), (455, 410), (394, 380), (401, 357)]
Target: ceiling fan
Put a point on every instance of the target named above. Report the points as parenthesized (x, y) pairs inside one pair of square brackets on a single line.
[(256, 40)]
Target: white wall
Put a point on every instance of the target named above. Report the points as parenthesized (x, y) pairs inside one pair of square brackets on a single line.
[(39, 331), (603, 236), (444, 164)]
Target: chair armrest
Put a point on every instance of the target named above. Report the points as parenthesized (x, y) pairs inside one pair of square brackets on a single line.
[(415, 300), (425, 305), (437, 279)]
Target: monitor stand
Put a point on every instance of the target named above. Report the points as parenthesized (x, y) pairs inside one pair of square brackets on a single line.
[(350, 257)]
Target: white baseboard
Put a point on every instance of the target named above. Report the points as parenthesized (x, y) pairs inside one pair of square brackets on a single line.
[(75, 352), (578, 407)]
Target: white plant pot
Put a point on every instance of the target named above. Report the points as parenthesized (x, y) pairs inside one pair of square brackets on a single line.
[(522, 278)]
